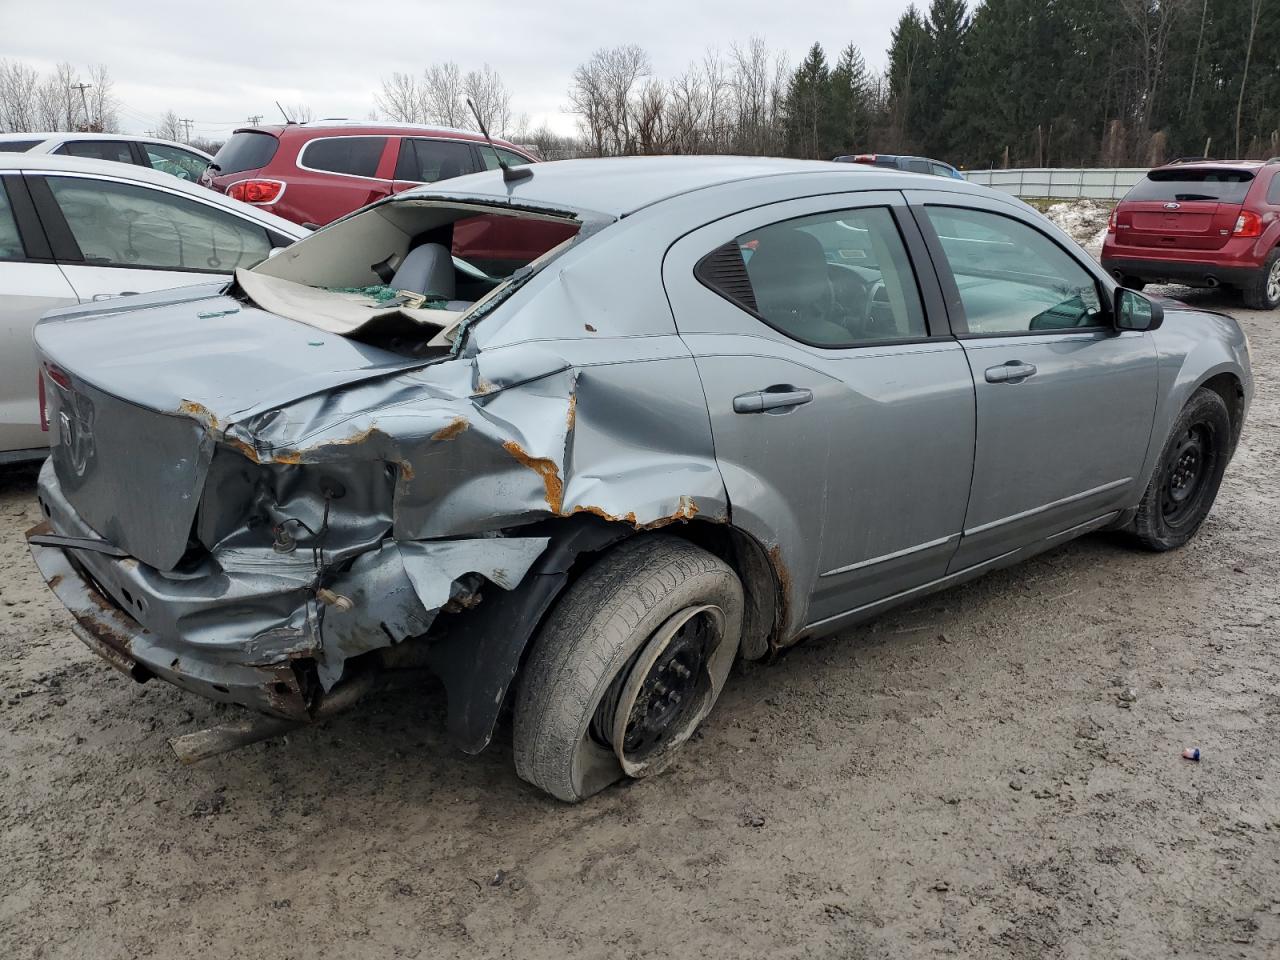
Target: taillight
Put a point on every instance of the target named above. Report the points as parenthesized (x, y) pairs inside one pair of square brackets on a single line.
[(1111, 221), (256, 191), (44, 409), (58, 376), (865, 158), (1248, 224)]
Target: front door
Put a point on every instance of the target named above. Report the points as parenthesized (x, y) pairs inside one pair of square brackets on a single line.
[(842, 410), (1065, 402)]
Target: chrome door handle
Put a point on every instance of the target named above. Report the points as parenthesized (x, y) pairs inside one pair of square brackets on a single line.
[(778, 398), (112, 296), (1014, 371)]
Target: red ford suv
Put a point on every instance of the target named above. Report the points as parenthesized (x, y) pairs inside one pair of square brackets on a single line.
[(313, 173), (1204, 223)]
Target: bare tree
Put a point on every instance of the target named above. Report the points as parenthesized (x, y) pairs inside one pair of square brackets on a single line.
[(442, 96), (602, 96), (299, 112), (1153, 22), (400, 98), (1255, 11), (102, 101), (491, 97), (169, 127), (19, 84)]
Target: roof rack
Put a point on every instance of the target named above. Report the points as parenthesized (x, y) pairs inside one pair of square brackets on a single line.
[(1188, 160)]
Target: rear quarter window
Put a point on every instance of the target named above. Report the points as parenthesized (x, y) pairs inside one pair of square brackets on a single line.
[(246, 150), (354, 156), (1273, 194), (17, 146), (1225, 186)]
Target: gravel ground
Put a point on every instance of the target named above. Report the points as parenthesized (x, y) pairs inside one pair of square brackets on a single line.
[(995, 772)]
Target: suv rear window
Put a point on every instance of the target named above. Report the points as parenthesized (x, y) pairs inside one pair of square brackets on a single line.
[(246, 150), (1226, 186), (356, 156)]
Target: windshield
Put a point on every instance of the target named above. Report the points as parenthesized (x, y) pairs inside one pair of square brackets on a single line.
[(1225, 186), (246, 150)]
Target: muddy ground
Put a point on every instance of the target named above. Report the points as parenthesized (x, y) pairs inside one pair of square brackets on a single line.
[(967, 776)]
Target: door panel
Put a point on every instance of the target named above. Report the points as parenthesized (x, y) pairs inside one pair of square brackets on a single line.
[(29, 290), (857, 482), (1064, 445), (1065, 403)]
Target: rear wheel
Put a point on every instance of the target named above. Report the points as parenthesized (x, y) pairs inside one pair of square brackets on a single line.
[(1186, 481), (628, 664), (1263, 291)]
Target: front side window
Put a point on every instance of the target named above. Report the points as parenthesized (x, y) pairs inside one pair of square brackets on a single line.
[(10, 240), (1011, 277), (509, 158), (836, 279), (115, 150), (355, 156), (426, 161), (181, 163), (121, 225)]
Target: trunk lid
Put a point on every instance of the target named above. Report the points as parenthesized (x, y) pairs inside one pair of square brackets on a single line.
[(1183, 208), (138, 399)]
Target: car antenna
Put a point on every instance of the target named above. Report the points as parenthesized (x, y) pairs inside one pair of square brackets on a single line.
[(509, 174), (283, 114)]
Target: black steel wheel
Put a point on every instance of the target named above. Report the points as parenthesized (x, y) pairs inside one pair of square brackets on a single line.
[(1186, 480)]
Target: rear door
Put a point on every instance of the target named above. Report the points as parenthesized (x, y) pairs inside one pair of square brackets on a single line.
[(841, 408), (112, 238), (426, 160), (337, 176), (1183, 208), (30, 284), (1065, 403)]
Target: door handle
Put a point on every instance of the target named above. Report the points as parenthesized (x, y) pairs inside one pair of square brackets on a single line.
[(112, 296), (779, 398), (1014, 371)]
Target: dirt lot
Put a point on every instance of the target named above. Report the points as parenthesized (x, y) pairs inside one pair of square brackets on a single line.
[(970, 775)]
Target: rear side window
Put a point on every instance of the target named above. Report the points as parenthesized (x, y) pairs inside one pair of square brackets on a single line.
[(426, 161), (836, 279), (509, 158), (17, 146), (1225, 186), (1273, 195), (246, 150), (116, 150), (122, 225), (10, 241), (354, 156), (918, 166), (183, 164)]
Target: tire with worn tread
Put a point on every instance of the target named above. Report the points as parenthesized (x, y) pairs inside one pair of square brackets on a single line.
[(1205, 425), (1262, 292), (593, 635)]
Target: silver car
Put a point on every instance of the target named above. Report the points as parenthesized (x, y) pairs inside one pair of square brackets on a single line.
[(179, 159), (79, 231), (745, 403)]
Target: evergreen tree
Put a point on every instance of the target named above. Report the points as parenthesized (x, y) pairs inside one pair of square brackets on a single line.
[(851, 104), (939, 114), (809, 113), (908, 55)]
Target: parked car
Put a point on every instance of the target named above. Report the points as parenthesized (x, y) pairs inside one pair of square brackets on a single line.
[(1204, 224), (314, 173), (911, 164), (80, 231), (184, 162), (691, 433)]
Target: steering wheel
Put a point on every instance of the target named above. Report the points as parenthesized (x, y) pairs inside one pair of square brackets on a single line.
[(852, 300)]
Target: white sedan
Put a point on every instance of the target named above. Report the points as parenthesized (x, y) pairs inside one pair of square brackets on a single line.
[(74, 231)]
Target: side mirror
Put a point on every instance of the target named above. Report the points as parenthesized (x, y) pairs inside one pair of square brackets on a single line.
[(1133, 311)]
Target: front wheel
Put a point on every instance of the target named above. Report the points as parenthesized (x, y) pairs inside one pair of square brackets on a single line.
[(629, 662), (1186, 481)]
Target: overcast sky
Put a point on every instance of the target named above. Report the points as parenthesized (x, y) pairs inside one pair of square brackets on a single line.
[(219, 61)]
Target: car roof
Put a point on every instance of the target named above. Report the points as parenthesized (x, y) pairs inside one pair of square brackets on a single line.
[(43, 162), (61, 137), (618, 186), (357, 128)]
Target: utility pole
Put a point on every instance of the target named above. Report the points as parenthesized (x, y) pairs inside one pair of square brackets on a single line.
[(187, 124), (256, 119), (82, 87)]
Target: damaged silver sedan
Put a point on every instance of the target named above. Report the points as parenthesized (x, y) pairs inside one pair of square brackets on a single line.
[(699, 409)]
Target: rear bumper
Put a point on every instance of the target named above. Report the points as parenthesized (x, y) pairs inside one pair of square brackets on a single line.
[(1191, 273), (106, 629)]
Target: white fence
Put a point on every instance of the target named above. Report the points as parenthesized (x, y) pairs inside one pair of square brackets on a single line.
[(1067, 183)]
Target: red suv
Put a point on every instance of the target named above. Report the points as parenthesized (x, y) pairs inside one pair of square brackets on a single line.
[(1205, 223), (313, 173)]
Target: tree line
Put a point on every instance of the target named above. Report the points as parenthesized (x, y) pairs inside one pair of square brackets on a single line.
[(1001, 83)]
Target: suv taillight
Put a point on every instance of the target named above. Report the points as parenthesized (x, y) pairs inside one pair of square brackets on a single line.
[(1248, 224), (1111, 221), (256, 191)]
